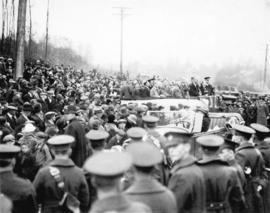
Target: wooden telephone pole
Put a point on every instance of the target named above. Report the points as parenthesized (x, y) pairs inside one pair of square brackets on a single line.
[(265, 67), (47, 31), (122, 14), (20, 38)]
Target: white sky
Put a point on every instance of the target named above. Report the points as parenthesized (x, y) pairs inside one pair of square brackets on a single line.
[(161, 32)]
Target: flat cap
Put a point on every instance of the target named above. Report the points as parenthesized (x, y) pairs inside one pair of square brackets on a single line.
[(243, 129), (136, 132), (259, 128), (142, 108), (95, 135), (8, 151), (144, 154), (108, 163), (150, 119), (210, 140), (121, 121), (50, 113), (60, 140), (10, 107), (175, 138)]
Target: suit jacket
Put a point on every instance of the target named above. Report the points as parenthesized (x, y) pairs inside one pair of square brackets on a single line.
[(153, 194), (126, 93), (223, 187), (194, 90), (20, 123), (120, 204), (38, 122), (187, 184), (51, 104), (11, 120), (48, 194), (20, 191)]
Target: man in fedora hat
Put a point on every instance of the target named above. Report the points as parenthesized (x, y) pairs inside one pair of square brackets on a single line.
[(206, 87)]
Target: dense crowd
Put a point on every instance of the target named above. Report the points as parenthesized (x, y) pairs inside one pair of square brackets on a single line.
[(68, 144)]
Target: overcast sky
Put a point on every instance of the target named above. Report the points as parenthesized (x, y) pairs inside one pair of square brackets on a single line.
[(161, 32)]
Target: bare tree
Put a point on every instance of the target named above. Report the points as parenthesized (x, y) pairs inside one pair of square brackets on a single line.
[(3, 25), (20, 38)]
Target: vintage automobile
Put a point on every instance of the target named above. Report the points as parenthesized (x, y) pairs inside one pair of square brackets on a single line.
[(184, 114)]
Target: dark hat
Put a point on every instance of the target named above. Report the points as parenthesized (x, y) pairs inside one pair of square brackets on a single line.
[(210, 140), (207, 77), (71, 109), (8, 151), (150, 120), (144, 154), (259, 128), (136, 133), (27, 107), (111, 118), (108, 163), (61, 141), (123, 111), (41, 135), (96, 135), (175, 138), (243, 129)]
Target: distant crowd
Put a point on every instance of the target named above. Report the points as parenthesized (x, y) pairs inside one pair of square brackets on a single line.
[(69, 144)]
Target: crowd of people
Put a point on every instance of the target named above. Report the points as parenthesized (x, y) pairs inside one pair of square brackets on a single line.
[(68, 144)]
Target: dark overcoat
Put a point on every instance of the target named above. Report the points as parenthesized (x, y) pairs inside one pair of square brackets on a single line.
[(187, 184), (223, 187), (49, 195), (150, 192), (265, 150), (80, 150), (20, 191), (251, 161), (119, 204)]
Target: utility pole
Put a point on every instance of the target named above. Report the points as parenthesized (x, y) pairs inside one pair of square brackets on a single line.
[(265, 67), (30, 30), (122, 14), (20, 38), (47, 31)]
